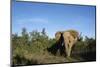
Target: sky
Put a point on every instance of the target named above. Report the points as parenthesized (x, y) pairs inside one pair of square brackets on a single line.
[(53, 17)]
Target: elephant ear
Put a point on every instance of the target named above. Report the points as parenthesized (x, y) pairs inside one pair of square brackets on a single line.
[(74, 33), (58, 35)]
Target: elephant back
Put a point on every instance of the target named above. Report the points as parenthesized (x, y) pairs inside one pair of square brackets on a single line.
[(74, 33)]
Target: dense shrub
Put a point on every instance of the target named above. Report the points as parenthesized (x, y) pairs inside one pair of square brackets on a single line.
[(36, 47)]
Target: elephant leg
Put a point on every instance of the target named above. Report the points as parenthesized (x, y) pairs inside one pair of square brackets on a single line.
[(66, 49), (66, 42), (69, 50)]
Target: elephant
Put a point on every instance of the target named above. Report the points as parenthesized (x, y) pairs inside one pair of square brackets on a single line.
[(68, 39), (57, 47)]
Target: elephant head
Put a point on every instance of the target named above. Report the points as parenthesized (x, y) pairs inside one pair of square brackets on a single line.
[(68, 38)]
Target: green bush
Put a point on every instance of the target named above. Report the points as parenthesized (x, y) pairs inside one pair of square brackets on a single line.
[(30, 48)]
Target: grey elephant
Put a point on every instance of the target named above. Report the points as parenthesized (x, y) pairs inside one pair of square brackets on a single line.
[(70, 37)]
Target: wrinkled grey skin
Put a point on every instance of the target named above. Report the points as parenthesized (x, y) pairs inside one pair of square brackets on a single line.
[(69, 40)]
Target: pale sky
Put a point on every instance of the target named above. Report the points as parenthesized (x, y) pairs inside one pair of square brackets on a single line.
[(53, 17)]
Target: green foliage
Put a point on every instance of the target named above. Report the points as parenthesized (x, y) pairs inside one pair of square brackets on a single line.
[(85, 49), (28, 44), (32, 48)]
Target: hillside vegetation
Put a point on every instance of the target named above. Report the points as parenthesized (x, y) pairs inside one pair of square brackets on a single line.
[(31, 48)]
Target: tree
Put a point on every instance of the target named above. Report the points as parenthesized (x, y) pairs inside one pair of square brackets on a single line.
[(34, 35), (43, 32), (25, 37), (14, 40), (44, 35)]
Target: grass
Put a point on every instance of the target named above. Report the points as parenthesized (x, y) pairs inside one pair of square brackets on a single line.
[(27, 55)]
